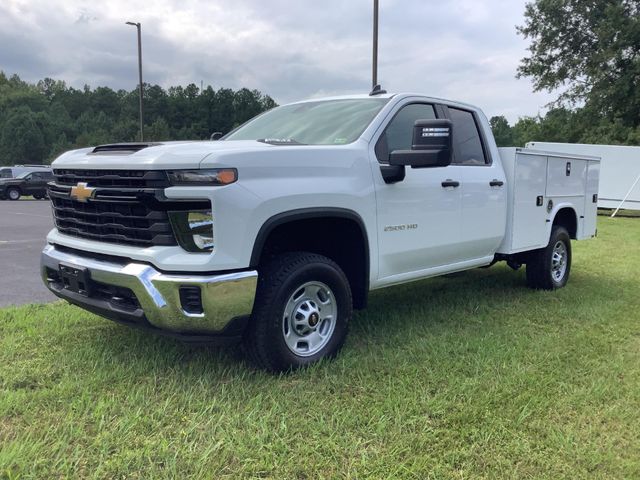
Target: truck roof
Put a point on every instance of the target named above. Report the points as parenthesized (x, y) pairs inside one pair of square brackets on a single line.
[(388, 95)]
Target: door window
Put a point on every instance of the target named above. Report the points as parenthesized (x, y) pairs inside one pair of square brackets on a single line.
[(399, 133), (466, 138)]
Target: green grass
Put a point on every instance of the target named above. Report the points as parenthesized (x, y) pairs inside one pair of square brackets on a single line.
[(470, 376)]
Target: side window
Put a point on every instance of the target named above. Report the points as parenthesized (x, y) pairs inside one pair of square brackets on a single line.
[(466, 138), (399, 132), (36, 176)]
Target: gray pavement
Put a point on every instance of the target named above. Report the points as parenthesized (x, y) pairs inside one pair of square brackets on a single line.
[(23, 228)]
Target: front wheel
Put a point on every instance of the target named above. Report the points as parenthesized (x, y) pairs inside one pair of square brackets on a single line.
[(13, 194), (301, 313), (549, 267)]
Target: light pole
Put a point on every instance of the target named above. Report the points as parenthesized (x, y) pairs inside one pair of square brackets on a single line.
[(138, 26), (375, 44)]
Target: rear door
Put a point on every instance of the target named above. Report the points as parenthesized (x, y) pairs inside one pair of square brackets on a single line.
[(482, 186), (46, 178), (419, 217)]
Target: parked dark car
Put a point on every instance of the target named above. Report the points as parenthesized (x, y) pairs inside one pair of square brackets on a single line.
[(17, 170), (28, 183)]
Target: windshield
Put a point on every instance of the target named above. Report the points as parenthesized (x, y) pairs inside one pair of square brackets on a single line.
[(325, 122), (23, 174)]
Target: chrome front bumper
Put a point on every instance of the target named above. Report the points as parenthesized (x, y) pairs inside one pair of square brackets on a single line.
[(225, 297)]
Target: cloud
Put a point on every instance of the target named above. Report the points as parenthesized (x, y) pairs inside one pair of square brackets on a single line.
[(460, 49)]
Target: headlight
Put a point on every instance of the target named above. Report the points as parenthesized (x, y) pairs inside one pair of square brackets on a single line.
[(193, 230), (210, 176)]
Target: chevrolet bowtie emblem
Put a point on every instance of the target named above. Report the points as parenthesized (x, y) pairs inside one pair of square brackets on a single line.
[(81, 192)]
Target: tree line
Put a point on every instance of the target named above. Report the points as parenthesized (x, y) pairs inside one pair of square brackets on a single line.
[(40, 121), (581, 125)]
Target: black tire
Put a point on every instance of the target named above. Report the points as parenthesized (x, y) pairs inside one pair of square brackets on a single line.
[(280, 280), (37, 196), (545, 273), (13, 193)]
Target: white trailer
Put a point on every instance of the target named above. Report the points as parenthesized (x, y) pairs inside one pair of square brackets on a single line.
[(619, 175)]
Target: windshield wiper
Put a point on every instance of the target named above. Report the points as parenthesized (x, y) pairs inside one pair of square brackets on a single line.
[(280, 141)]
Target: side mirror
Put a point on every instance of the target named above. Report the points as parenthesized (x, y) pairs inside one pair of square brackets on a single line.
[(216, 136), (431, 146)]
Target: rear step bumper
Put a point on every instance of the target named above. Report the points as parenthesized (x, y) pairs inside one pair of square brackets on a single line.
[(139, 295)]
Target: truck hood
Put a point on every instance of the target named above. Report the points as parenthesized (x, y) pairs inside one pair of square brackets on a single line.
[(161, 156)]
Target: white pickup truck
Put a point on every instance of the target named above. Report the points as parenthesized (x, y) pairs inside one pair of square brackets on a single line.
[(275, 233)]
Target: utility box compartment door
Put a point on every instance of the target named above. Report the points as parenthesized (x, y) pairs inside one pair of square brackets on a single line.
[(591, 200), (566, 177), (529, 216)]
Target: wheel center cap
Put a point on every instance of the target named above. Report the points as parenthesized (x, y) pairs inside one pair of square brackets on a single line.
[(314, 318)]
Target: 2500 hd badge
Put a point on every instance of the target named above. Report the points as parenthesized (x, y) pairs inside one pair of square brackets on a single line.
[(398, 228)]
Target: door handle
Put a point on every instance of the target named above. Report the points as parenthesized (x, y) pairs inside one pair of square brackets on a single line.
[(496, 183), (450, 183)]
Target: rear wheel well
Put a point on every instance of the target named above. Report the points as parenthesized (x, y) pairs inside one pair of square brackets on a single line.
[(566, 217), (342, 239)]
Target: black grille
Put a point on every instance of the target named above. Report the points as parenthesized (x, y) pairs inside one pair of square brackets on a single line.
[(126, 207), (113, 178)]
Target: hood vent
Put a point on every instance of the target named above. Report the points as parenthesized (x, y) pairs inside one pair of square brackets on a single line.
[(121, 148)]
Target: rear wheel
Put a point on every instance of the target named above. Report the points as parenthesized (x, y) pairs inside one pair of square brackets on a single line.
[(549, 267), (13, 193), (301, 313)]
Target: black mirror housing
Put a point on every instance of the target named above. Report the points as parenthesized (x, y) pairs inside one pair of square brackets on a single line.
[(392, 173), (431, 146)]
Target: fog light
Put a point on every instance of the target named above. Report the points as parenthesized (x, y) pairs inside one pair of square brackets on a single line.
[(193, 230), (191, 299)]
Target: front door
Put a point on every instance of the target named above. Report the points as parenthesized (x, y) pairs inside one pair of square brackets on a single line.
[(419, 217), (28, 185), (34, 184)]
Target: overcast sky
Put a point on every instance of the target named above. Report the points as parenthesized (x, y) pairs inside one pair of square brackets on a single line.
[(290, 49)]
